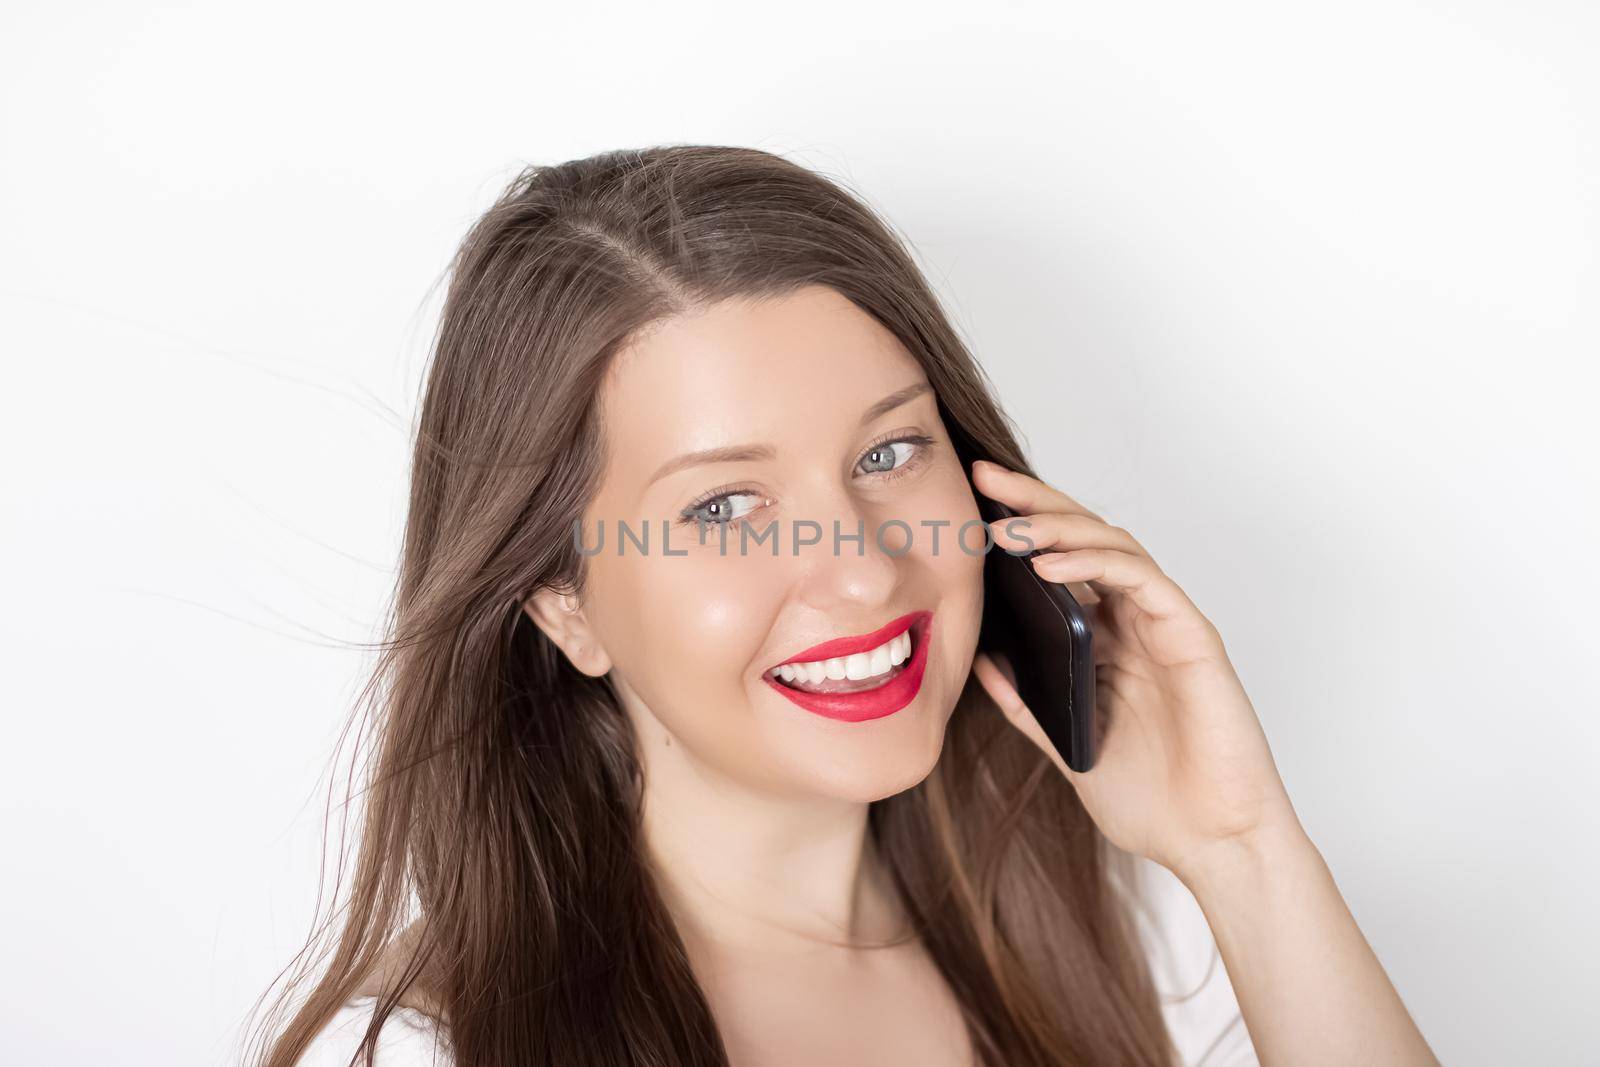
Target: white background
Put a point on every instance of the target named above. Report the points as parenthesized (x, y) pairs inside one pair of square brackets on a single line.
[(1303, 295)]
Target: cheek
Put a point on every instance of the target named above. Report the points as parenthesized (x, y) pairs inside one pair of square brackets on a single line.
[(683, 630), (953, 564), (952, 553), (959, 575)]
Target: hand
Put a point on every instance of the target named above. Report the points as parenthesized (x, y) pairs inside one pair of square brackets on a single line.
[(1184, 771)]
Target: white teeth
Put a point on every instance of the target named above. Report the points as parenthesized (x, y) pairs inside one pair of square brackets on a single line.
[(855, 666), (880, 660)]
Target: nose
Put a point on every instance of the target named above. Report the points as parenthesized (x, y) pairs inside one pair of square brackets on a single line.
[(847, 577)]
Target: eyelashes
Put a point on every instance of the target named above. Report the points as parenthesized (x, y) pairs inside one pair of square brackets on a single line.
[(718, 499)]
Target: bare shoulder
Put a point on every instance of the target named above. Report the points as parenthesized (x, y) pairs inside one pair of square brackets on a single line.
[(408, 1038), (411, 1035), (396, 960)]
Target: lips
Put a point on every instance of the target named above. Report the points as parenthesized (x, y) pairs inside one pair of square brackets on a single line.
[(900, 688), (847, 646)]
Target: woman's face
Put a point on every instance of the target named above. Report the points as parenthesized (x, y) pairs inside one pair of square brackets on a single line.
[(820, 416)]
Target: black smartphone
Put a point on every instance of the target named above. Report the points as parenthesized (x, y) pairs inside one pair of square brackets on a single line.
[(1046, 636)]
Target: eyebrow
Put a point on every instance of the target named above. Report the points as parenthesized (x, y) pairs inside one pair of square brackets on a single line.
[(747, 453)]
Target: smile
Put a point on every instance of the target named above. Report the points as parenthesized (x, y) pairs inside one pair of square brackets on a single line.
[(853, 679)]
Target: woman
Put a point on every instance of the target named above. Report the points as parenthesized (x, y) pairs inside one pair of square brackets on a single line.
[(642, 817)]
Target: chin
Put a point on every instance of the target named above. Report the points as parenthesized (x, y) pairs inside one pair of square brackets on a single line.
[(879, 768)]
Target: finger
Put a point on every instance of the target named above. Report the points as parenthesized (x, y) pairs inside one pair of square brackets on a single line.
[(1108, 570), (1064, 531), (1002, 689), (1003, 665), (1022, 492), (1004, 695), (999, 682), (1083, 593)]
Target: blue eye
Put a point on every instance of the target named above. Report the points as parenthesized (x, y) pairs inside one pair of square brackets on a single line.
[(886, 457), (721, 508), (726, 505)]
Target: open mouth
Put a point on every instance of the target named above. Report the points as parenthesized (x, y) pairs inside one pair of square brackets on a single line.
[(864, 677)]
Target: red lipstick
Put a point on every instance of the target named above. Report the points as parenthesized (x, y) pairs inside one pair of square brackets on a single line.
[(886, 699), (849, 646)]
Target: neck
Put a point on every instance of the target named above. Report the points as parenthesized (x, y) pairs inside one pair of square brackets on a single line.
[(744, 868)]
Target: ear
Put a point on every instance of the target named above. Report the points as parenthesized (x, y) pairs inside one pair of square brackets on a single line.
[(563, 621)]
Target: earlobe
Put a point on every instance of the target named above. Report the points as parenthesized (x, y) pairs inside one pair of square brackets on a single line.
[(561, 618)]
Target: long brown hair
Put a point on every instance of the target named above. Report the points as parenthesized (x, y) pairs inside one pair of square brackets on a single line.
[(502, 808)]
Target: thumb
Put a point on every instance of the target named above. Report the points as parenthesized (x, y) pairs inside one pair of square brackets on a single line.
[(998, 679), (1000, 682)]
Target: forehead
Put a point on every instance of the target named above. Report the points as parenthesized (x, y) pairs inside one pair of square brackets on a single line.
[(799, 367)]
